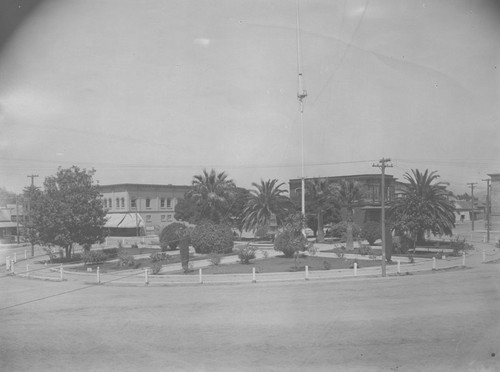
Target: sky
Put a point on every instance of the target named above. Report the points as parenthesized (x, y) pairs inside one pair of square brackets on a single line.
[(154, 91)]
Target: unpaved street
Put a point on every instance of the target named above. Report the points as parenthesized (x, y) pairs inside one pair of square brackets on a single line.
[(431, 322)]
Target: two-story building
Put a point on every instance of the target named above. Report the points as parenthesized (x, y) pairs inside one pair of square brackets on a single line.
[(369, 207), (135, 209)]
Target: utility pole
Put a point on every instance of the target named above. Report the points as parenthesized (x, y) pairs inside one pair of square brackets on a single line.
[(17, 220), (382, 165), (488, 211), (472, 201)]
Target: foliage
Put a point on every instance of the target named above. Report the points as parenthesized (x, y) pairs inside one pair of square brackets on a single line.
[(169, 237), (126, 260), (371, 231), (157, 260), (339, 230), (320, 200), (349, 194), (215, 258), (246, 254), (355, 261), (187, 210), (155, 267), (365, 250), (290, 242), (93, 257), (238, 205), (266, 200), (7, 197), (459, 246), (212, 194), (423, 208), (69, 210), (209, 237), (327, 265)]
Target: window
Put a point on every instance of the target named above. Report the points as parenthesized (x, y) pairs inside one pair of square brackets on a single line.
[(117, 203), (148, 218), (110, 203), (123, 202), (133, 203), (163, 218), (162, 203), (148, 203), (169, 203), (105, 203), (169, 218)]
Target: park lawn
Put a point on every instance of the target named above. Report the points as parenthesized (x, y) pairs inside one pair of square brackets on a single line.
[(283, 264)]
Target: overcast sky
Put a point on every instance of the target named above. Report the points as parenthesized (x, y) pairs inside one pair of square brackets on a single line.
[(155, 91)]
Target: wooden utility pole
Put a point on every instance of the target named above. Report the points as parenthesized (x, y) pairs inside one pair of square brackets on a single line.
[(472, 201), (488, 211), (382, 165)]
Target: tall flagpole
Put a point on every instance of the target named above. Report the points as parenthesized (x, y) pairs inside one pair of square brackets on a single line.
[(301, 95)]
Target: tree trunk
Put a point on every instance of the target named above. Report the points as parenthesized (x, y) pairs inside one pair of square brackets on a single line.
[(320, 234), (349, 239), (68, 251)]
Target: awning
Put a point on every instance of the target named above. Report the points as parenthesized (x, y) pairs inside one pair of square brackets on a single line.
[(124, 220), (5, 224)]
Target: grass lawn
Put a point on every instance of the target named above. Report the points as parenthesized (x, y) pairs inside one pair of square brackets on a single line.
[(283, 264)]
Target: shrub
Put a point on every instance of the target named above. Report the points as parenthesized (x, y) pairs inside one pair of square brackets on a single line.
[(365, 250), (355, 261), (169, 237), (246, 254), (134, 246), (158, 257), (371, 231), (209, 237), (340, 230), (215, 258), (460, 245), (126, 260), (327, 265), (289, 242), (156, 267), (110, 252), (94, 257)]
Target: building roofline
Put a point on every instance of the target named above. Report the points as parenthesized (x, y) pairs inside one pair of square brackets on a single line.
[(347, 176), (141, 185)]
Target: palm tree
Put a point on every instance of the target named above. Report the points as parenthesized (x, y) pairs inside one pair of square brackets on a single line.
[(424, 207), (349, 194), (213, 193), (266, 200), (320, 197)]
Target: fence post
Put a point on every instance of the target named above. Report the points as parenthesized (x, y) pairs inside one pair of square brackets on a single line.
[(463, 259), (307, 272), (399, 266), (254, 279), (433, 263), (355, 269), (98, 275), (61, 272), (200, 275), (146, 276)]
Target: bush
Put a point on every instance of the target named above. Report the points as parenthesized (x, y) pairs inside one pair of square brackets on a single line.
[(371, 231), (169, 237), (215, 258), (246, 254), (365, 250), (289, 242), (94, 257), (126, 260), (110, 252), (340, 230), (460, 245), (156, 267), (212, 238)]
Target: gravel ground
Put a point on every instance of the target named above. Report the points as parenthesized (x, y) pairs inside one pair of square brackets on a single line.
[(434, 322)]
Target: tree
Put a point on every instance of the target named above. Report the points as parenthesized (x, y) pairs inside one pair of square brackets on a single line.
[(69, 210), (320, 199), (423, 208), (186, 209), (213, 193), (237, 209), (266, 200), (7, 197), (31, 196), (349, 193)]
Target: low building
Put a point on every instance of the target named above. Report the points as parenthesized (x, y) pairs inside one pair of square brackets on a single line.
[(8, 228), (140, 208), (495, 198)]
